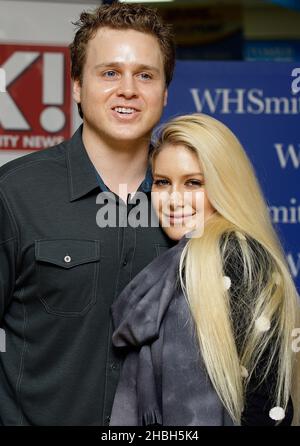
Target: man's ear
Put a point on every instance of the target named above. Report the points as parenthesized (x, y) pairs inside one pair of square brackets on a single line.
[(77, 91), (165, 97)]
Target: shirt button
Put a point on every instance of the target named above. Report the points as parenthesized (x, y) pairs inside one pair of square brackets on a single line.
[(67, 259), (113, 366), (125, 262), (107, 420)]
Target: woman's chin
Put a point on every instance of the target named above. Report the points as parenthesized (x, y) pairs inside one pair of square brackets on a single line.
[(176, 233)]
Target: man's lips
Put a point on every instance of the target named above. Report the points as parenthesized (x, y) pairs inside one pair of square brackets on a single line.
[(125, 114), (122, 109)]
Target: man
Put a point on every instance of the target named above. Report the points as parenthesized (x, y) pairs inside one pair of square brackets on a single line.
[(60, 267)]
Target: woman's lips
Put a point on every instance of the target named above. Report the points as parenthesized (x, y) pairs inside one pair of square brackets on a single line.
[(173, 218)]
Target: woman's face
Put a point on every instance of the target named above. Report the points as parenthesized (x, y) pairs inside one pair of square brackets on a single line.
[(178, 191)]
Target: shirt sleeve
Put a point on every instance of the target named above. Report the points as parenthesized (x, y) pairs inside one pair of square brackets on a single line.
[(8, 249), (259, 397)]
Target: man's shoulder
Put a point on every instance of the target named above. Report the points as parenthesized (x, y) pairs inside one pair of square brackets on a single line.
[(32, 163)]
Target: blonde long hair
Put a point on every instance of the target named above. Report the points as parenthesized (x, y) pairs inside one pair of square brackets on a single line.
[(269, 293)]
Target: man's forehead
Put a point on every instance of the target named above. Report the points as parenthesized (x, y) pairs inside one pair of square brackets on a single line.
[(123, 47), (106, 32)]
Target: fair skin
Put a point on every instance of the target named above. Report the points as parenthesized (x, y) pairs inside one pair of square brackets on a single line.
[(122, 96), (178, 192)]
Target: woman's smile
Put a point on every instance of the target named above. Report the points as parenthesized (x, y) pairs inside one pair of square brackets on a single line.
[(178, 192)]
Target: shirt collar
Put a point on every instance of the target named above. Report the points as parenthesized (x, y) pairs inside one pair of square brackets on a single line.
[(81, 172), (147, 183), (145, 186), (83, 177)]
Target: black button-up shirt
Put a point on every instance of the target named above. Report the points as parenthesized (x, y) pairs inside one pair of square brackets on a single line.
[(59, 274)]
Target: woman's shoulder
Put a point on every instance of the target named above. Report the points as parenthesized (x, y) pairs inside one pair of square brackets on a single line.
[(241, 252), (148, 293), (164, 264), (248, 269), (157, 268), (236, 240)]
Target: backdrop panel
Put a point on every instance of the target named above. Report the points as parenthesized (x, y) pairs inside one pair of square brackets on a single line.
[(260, 102)]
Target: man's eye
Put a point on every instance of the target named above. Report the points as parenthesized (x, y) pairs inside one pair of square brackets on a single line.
[(161, 182), (110, 74), (145, 76)]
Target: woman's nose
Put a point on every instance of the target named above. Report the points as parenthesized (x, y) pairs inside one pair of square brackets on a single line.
[(176, 199)]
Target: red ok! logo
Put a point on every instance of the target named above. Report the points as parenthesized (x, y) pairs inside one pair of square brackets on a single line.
[(35, 96)]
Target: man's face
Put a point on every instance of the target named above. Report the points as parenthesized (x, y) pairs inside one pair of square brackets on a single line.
[(123, 89)]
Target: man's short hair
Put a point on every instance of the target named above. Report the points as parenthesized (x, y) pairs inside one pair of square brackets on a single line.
[(122, 16)]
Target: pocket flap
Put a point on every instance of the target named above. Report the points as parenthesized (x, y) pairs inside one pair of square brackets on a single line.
[(67, 253)]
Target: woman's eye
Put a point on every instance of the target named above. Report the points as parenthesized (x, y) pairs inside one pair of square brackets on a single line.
[(196, 183), (161, 182)]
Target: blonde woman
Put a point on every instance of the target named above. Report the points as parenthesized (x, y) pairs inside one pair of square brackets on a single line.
[(207, 326)]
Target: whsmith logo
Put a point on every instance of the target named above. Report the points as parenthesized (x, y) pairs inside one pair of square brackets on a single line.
[(283, 214), (294, 264), (242, 101), (288, 155)]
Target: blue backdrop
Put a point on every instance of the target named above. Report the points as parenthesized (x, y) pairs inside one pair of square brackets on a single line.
[(257, 101)]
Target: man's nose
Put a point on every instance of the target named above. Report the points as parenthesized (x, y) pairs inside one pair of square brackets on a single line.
[(127, 87)]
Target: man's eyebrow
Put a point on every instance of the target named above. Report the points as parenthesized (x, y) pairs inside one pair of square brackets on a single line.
[(149, 68), (142, 67)]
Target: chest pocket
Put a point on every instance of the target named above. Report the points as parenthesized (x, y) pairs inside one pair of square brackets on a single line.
[(160, 249), (67, 275)]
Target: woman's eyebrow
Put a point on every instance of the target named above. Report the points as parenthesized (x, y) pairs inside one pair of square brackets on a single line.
[(159, 175), (194, 174)]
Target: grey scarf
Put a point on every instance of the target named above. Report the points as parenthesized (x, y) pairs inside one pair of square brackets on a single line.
[(163, 379)]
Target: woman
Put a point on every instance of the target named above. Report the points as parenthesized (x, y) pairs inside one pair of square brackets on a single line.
[(207, 326)]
